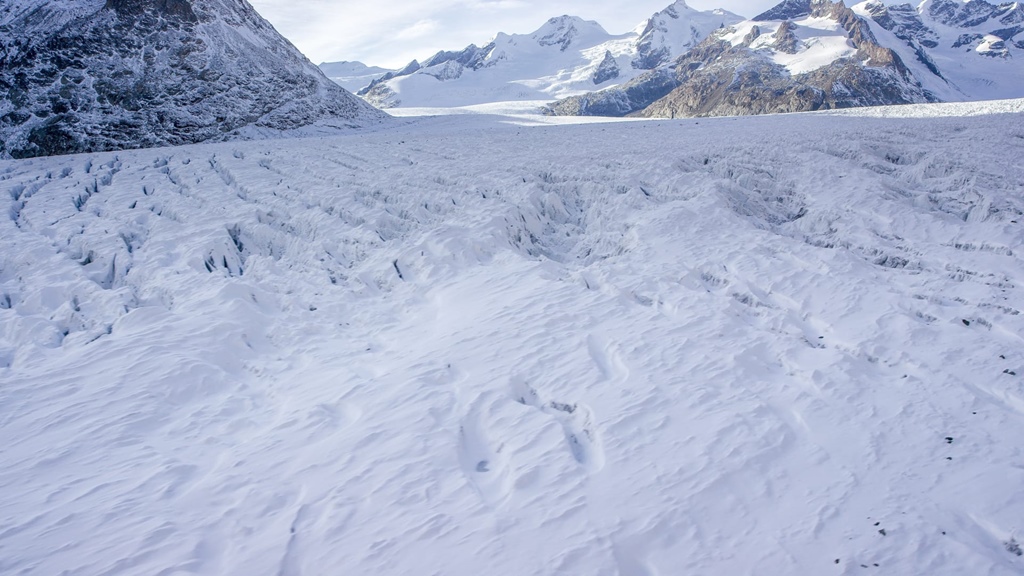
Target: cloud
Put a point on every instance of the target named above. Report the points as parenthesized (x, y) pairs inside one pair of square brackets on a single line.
[(418, 30)]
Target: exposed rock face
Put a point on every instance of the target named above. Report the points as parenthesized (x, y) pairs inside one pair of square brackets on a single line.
[(787, 10), (91, 75), (622, 100), (785, 38), (719, 77), (754, 34), (607, 70), (962, 14), (938, 50), (730, 80), (903, 21), (977, 18), (765, 88), (470, 57), (973, 47), (563, 31), (177, 9)]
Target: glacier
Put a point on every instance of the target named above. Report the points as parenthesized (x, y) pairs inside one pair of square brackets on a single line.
[(485, 343)]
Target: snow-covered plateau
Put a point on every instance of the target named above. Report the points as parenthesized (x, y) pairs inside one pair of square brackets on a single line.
[(464, 345)]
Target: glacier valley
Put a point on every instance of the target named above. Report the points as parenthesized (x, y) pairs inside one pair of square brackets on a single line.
[(489, 344)]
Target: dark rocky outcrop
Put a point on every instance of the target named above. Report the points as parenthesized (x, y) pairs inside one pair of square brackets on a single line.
[(627, 98), (976, 18), (734, 81), (786, 10), (785, 38), (607, 70)]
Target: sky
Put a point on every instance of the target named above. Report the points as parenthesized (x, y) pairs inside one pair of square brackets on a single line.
[(391, 33)]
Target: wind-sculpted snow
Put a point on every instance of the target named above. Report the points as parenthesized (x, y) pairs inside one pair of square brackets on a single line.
[(763, 345)]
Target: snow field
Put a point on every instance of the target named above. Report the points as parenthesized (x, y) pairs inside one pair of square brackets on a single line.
[(463, 346)]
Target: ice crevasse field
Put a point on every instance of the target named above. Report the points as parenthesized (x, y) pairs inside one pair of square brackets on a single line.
[(474, 344)]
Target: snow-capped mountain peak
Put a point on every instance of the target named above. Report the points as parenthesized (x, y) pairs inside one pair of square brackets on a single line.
[(814, 54), (564, 31), (958, 50), (826, 58), (567, 55), (674, 30)]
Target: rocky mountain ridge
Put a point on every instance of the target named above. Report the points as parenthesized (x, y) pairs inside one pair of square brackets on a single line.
[(799, 55), (809, 55), (93, 75), (819, 55)]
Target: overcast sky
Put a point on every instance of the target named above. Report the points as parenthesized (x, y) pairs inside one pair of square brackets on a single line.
[(390, 33)]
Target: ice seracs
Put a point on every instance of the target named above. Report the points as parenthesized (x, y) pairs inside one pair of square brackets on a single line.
[(468, 345)]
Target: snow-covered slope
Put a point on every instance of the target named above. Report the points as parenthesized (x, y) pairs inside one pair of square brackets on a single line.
[(87, 75), (566, 56), (780, 345), (352, 76), (796, 57), (814, 54), (669, 33), (963, 50)]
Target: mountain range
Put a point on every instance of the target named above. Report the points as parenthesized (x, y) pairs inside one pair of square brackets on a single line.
[(92, 75), (566, 56), (800, 55)]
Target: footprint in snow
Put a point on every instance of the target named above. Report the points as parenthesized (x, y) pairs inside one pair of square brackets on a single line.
[(577, 421), (483, 462)]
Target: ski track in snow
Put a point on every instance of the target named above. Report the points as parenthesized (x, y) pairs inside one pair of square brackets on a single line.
[(466, 346)]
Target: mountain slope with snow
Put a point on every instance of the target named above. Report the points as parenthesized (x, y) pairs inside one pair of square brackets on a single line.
[(799, 56), (669, 33), (816, 54), (89, 75), (566, 56), (352, 76), (964, 50), (779, 345)]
